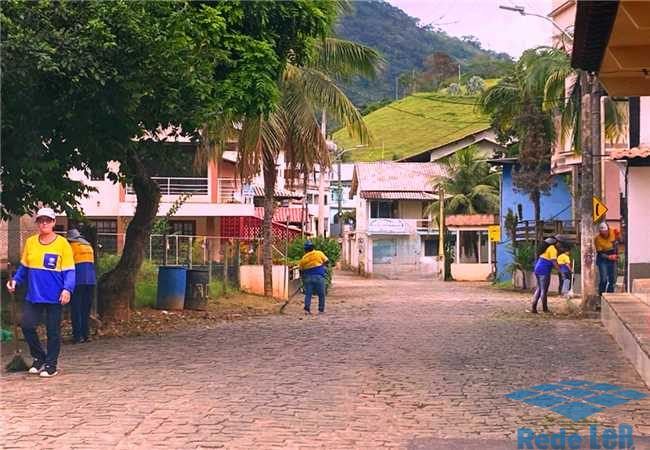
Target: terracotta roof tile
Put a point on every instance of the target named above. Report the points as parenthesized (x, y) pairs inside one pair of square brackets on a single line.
[(628, 153), (470, 220), (397, 176)]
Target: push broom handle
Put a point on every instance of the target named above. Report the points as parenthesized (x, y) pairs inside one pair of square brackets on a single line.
[(12, 311)]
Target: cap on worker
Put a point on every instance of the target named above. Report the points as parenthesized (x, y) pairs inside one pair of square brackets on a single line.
[(603, 226), (46, 212), (550, 240), (73, 235), (309, 244)]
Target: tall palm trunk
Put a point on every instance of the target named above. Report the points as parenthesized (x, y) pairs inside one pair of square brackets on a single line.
[(270, 175), (117, 288)]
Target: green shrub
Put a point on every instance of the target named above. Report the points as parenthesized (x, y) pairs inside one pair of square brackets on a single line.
[(146, 283), (330, 247)]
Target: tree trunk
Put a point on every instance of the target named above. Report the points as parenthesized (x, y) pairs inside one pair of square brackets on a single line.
[(587, 232), (117, 287), (539, 230), (270, 173)]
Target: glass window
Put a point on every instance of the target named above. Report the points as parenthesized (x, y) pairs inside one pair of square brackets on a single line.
[(483, 247), (183, 227), (106, 235), (468, 247), (430, 245), (381, 209)]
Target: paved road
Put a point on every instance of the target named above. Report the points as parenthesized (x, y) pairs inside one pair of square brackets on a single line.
[(393, 364)]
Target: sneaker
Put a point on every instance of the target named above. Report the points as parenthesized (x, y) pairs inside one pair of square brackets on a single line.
[(87, 339), (307, 312), (36, 368), (49, 372), (321, 312)]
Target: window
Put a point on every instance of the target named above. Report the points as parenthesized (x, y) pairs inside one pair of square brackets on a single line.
[(430, 245), (468, 247), (106, 235), (382, 209), (325, 199), (105, 226), (183, 227), (484, 242)]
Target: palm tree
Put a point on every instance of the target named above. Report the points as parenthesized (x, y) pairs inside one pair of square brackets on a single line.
[(306, 90), (469, 185), (523, 106)]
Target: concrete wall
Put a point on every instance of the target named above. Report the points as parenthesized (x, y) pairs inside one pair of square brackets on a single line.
[(639, 223), (556, 205), (251, 280), (470, 272)]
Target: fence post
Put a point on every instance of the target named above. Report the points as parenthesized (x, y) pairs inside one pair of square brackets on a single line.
[(207, 244), (190, 250), (225, 266), (176, 249)]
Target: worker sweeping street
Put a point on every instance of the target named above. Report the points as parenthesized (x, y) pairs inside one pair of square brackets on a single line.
[(82, 298), (313, 269), (606, 243), (47, 267)]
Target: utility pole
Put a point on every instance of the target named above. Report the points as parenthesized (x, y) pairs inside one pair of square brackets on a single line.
[(590, 140), (340, 197), (441, 231), (321, 183)]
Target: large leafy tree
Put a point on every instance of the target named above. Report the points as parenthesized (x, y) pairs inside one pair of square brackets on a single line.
[(89, 82), (523, 107), (470, 186), (307, 87)]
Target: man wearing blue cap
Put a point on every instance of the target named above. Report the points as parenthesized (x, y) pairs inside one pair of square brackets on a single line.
[(313, 267)]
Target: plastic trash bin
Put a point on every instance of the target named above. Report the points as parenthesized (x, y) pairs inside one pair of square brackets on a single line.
[(171, 287), (196, 292)]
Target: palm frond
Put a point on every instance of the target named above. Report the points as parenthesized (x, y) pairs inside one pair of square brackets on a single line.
[(321, 90), (344, 59)]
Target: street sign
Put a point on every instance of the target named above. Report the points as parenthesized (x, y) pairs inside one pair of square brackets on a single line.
[(494, 233), (599, 209)]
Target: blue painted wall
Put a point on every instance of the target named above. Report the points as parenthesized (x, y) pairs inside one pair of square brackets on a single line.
[(554, 206)]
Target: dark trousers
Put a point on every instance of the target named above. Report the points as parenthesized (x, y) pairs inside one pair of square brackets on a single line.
[(80, 304), (32, 314), (541, 292), (314, 284), (606, 274)]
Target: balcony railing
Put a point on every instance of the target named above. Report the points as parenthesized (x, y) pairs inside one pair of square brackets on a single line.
[(178, 186), (228, 190)]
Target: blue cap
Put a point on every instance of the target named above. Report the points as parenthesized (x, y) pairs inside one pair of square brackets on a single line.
[(309, 244)]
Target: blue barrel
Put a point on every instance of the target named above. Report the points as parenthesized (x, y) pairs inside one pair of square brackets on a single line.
[(171, 287)]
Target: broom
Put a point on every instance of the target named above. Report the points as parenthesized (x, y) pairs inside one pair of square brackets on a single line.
[(17, 364)]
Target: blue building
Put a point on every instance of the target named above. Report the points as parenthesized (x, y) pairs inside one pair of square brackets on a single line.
[(556, 205)]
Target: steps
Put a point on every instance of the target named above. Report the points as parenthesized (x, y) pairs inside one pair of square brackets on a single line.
[(627, 318)]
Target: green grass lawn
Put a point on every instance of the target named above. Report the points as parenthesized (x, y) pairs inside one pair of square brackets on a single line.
[(414, 124)]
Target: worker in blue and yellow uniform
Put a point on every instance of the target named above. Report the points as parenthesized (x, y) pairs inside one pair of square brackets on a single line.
[(47, 267), (313, 268), (82, 299), (606, 243), (546, 261)]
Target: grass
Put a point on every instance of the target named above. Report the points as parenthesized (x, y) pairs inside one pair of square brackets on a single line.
[(414, 124)]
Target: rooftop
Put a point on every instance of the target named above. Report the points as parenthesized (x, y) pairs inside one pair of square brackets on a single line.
[(389, 176)]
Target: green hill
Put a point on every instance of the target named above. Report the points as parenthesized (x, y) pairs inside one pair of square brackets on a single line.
[(405, 44), (414, 124)]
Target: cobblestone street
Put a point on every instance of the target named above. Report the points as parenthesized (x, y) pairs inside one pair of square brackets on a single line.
[(416, 364)]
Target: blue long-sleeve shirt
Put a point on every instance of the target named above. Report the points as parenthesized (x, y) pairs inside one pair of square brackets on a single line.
[(47, 269)]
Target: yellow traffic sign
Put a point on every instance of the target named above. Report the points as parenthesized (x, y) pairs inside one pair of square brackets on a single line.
[(494, 233), (599, 209)]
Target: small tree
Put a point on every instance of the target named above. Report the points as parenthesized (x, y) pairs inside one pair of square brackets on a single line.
[(475, 85)]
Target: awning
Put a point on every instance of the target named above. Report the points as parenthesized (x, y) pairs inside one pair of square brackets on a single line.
[(612, 38), (393, 195)]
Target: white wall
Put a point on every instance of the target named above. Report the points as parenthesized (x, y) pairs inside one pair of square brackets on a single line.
[(639, 218)]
